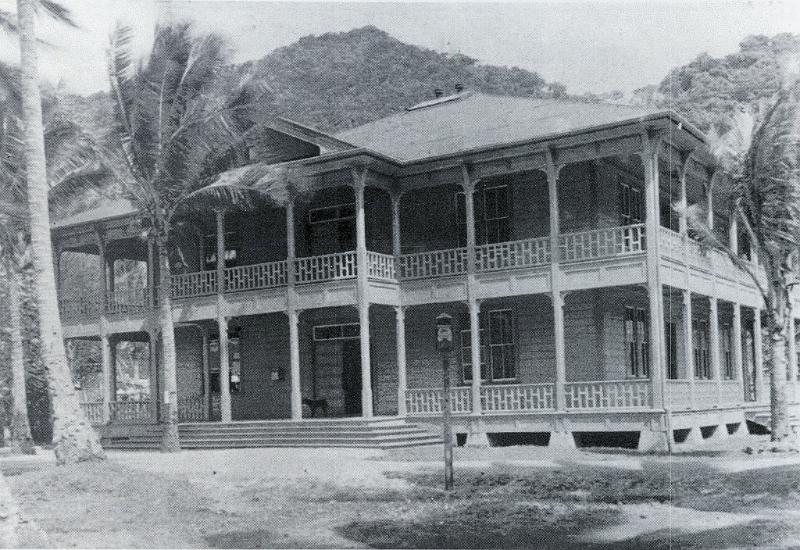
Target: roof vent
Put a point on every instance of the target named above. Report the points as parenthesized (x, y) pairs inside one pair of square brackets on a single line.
[(459, 88), (438, 92)]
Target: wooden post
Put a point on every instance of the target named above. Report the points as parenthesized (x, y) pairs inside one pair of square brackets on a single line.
[(359, 185), (654, 292), (557, 296), (688, 344), (402, 382), (684, 200), (396, 239), (222, 324), (713, 342), (206, 378), (105, 364), (737, 346), (733, 234), (152, 337), (151, 273), (761, 395), (468, 185), (295, 391)]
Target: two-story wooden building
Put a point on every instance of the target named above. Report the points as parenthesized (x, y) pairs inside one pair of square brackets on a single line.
[(583, 309)]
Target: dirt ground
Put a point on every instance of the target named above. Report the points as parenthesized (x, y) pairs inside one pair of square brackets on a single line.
[(511, 497)]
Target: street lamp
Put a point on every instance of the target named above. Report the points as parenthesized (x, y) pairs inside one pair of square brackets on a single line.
[(444, 343)]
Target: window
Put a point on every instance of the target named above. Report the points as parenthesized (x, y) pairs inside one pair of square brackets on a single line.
[(672, 350), (497, 347), (637, 343), (496, 217), (231, 250), (492, 216), (340, 217), (344, 331), (726, 336), (630, 202), (702, 362)]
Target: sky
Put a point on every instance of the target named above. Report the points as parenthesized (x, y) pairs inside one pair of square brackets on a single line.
[(594, 46)]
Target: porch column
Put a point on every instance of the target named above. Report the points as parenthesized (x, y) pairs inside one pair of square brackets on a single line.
[(295, 391), (468, 184), (222, 324), (710, 203), (759, 357), (557, 296), (105, 364), (683, 199), (713, 342), (359, 184), (655, 297), (206, 378), (396, 239), (101, 252), (733, 234), (57, 266), (688, 343), (402, 383), (737, 347)]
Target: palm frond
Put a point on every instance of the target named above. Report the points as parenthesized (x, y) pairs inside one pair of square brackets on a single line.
[(58, 12)]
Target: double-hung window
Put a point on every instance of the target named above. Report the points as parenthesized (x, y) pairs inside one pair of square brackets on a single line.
[(637, 343), (630, 202), (492, 215), (702, 357), (726, 345), (497, 347)]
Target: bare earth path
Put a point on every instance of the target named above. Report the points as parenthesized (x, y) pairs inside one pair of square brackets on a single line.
[(504, 497)]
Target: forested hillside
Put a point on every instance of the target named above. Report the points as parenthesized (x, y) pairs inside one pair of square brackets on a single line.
[(709, 89)]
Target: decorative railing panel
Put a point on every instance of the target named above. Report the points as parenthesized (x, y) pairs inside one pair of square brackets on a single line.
[(199, 283), (670, 242), (93, 411), (429, 400), (602, 243), (329, 267), (256, 276), (436, 263), (678, 396), (192, 408), (131, 411), (127, 300), (510, 255), (80, 307), (608, 394), (517, 397), (381, 267)]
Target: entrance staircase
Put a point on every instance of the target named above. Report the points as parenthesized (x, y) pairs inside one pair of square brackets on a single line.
[(377, 433)]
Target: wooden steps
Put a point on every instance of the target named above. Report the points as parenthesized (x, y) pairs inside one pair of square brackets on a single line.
[(380, 433)]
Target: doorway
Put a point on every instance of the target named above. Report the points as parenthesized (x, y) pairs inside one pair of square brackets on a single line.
[(351, 376)]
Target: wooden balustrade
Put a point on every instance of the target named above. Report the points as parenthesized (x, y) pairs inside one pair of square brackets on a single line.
[(381, 267), (705, 393), (608, 394), (429, 400), (517, 397), (93, 411), (256, 276), (514, 254), (128, 300), (199, 283), (131, 411), (436, 263), (80, 307), (602, 243), (192, 408), (670, 242), (329, 267), (730, 393)]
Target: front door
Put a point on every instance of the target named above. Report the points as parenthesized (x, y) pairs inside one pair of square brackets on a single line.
[(351, 376)]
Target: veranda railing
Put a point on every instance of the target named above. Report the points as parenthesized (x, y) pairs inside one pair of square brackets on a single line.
[(429, 400), (602, 243), (608, 394), (518, 397)]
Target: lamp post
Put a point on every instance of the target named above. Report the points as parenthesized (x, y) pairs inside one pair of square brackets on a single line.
[(444, 343)]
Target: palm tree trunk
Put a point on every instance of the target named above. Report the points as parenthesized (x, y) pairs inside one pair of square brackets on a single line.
[(778, 327), (169, 438), (73, 438), (21, 441)]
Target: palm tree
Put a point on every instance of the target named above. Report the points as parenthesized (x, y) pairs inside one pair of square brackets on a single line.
[(180, 118), (759, 168)]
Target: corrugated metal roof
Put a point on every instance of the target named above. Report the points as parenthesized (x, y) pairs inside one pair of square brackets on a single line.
[(474, 120), (107, 208)]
